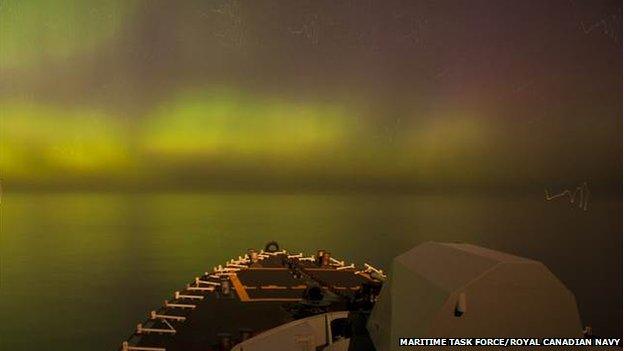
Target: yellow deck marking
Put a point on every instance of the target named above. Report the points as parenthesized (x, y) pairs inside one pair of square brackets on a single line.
[(285, 269), (269, 287), (244, 297), (238, 286), (277, 299)]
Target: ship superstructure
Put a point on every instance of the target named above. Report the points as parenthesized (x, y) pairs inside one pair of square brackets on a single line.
[(253, 293), (272, 299)]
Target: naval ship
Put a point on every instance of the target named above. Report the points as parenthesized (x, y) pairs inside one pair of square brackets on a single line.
[(273, 299)]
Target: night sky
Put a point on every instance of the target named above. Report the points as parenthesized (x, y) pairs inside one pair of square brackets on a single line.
[(401, 95)]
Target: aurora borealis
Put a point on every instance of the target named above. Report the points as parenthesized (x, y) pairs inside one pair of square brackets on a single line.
[(391, 94)]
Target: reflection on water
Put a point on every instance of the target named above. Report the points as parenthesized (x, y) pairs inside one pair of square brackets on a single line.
[(79, 271)]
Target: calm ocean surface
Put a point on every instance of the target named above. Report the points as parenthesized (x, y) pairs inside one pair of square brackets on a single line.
[(79, 271)]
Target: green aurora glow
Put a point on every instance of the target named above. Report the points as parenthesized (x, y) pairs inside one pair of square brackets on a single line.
[(127, 94)]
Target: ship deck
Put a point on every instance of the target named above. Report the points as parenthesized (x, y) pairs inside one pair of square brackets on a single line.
[(264, 293)]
